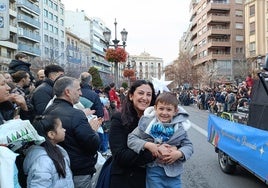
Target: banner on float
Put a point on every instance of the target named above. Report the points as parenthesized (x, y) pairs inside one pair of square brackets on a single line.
[(245, 144), (4, 20)]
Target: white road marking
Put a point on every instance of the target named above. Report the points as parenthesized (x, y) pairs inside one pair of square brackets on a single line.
[(202, 131)]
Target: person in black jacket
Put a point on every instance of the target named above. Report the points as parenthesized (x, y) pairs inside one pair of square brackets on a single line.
[(91, 95), (81, 139), (128, 168), (20, 63), (44, 92)]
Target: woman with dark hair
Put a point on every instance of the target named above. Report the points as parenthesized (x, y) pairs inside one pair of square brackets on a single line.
[(127, 167), (48, 165)]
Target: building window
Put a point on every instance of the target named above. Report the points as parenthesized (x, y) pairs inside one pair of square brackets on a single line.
[(50, 4), (239, 50), (55, 18), (51, 41), (46, 51), (238, 13), (46, 26), (252, 28), (45, 13), (252, 10), (56, 43), (239, 25), (46, 38), (239, 38), (55, 7), (238, 1), (61, 22), (56, 30), (61, 11), (50, 15), (51, 28), (9, 53), (252, 48)]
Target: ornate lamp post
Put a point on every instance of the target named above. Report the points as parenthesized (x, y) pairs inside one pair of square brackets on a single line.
[(107, 37)]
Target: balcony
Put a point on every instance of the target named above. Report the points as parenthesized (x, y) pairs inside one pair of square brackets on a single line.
[(29, 49), (219, 5), (74, 60), (13, 29), (95, 50), (28, 20), (194, 36), (23, 33), (13, 13), (212, 55), (193, 26), (9, 44), (218, 17), (25, 4), (218, 31), (218, 43)]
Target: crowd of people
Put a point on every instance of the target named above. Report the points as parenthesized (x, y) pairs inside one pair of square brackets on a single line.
[(223, 98), (79, 122)]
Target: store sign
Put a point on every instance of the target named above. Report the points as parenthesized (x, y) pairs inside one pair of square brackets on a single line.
[(4, 20)]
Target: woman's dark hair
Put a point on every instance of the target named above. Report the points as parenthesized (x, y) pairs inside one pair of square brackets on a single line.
[(129, 114), (44, 124)]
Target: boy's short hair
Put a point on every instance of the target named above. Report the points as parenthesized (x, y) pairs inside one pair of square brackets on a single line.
[(167, 98), (20, 55)]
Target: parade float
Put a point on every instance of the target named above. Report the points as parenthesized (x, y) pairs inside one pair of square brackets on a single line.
[(244, 143)]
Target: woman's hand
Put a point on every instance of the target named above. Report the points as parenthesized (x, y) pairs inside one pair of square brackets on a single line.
[(153, 148), (19, 100)]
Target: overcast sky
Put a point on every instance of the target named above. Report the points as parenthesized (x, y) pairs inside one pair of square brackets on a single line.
[(154, 26)]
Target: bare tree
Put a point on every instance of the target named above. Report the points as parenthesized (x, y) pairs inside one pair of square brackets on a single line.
[(182, 71)]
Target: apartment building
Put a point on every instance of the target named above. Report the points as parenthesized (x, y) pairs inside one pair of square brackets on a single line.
[(256, 32), (78, 52), (52, 32), (97, 27), (217, 37), (9, 47), (24, 31), (28, 24), (90, 30)]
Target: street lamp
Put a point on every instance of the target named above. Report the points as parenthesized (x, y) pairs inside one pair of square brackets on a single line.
[(107, 38), (129, 67), (259, 61)]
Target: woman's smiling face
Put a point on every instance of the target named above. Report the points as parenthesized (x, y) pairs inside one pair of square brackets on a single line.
[(141, 98)]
